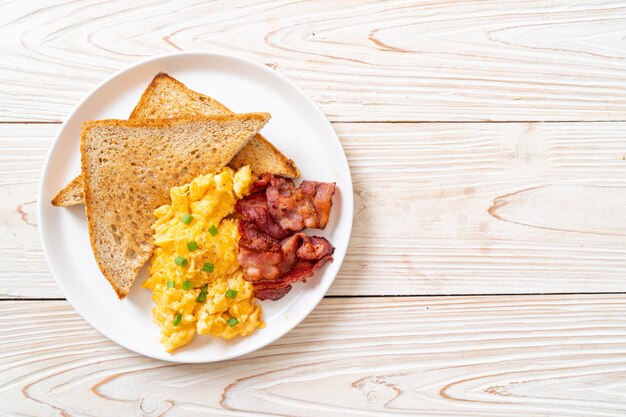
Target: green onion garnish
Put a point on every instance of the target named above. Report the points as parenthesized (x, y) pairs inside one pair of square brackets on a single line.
[(187, 285), (180, 261), (232, 322), (170, 284), (203, 293), (178, 319), (213, 230), (192, 246), (186, 218), (231, 293), (208, 267)]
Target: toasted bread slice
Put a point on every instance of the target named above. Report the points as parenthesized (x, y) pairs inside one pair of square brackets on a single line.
[(71, 195), (128, 168), (166, 98)]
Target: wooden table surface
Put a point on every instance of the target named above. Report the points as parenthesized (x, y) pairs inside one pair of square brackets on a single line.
[(486, 275)]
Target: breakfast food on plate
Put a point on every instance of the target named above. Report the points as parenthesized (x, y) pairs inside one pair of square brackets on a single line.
[(70, 195), (167, 98), (194, 188), (273, 251), (128, 168), (208, 268), (197, 282)]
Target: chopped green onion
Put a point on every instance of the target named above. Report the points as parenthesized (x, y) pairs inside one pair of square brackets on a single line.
[(232, 322), (186, 218), (208, 267), (213, 230), (178, 319), (203, 293), (170, 284), (187, 285), (231, 293), (180, 261), (192, 246)]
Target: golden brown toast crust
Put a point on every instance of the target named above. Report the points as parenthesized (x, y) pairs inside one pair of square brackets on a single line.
[(71, 195), (258, 150), (258, 153), (148, 93)]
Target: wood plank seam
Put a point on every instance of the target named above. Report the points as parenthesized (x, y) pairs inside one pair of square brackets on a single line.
[(422, 198), (454, 357)]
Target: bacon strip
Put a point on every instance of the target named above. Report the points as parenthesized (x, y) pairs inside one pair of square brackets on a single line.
[(291, 209), (271, 293), (321, 193), (298, 208), (274, 290), (259, 254), (265, 259), (255, 210), (272, 255)]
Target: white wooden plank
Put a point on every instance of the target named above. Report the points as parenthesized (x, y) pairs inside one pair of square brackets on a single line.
[(23, 269), (440, 209), (486, 208), (366, 60), (468, 356)]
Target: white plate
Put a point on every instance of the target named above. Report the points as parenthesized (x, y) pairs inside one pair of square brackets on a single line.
[(297, 127)]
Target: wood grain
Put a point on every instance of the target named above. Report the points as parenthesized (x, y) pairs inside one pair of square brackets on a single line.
[(23, 269), (440, 209), (486, 208), (370, 61), (469, 356)]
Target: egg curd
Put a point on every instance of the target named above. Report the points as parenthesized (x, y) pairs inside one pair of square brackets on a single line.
[(197, 283)]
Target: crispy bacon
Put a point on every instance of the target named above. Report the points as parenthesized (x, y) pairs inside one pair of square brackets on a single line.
[(271, 254), (266, 259), (273, 290), (255, 210), (259, 254), (301, 247), (321, 193), (254, 239), (269, 293), (293, 209), (297, 208)]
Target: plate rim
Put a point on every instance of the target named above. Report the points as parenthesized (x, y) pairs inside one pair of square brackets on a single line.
[(347, 209)]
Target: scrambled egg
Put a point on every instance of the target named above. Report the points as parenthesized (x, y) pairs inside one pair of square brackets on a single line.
[(197, 283)]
